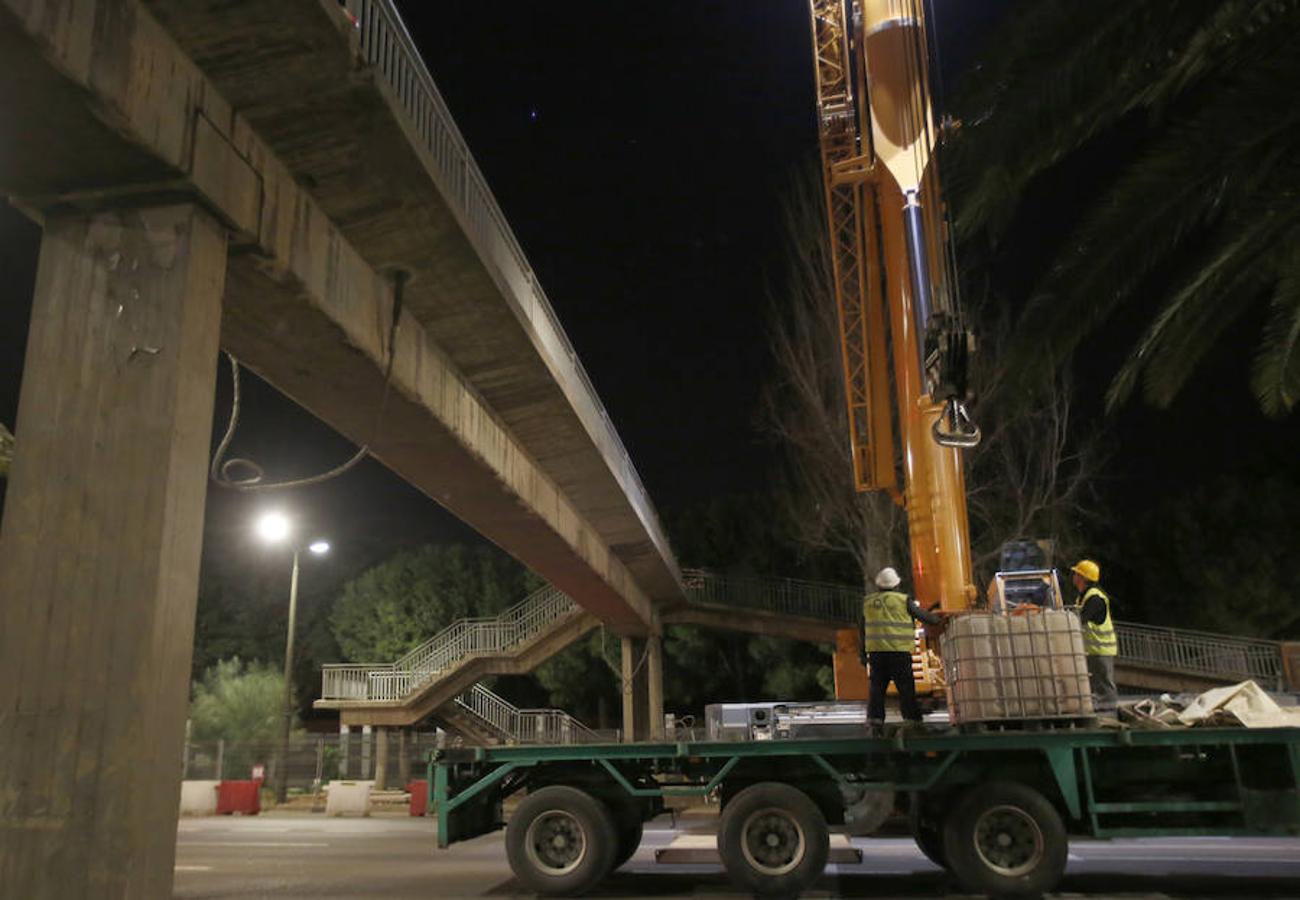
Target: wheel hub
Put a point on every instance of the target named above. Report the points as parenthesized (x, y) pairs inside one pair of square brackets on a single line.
[(772, 842), (1009, 841), (555, 842)]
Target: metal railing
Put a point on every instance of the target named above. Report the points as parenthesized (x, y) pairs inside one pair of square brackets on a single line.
[(447, 649), (785, 596), (1218, 656), (526, 726), (387, 46), (1179, 650)]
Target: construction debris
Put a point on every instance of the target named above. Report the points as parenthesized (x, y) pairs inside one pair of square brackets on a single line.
[(1245, 704)]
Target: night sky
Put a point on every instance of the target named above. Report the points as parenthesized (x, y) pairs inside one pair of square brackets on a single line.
[(640, 152)]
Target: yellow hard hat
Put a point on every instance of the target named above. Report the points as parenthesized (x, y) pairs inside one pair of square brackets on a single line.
[(1088, 569)]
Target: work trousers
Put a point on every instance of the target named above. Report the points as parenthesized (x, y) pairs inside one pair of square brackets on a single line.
[(1101, 677), (887, 666)]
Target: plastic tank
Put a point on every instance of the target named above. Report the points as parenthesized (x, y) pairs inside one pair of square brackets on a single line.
[(1018, 667)]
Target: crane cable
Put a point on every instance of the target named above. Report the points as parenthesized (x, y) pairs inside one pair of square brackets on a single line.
[(225, 472)]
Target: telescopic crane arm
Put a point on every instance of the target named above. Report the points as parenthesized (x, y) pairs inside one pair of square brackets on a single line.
[(894, 284)]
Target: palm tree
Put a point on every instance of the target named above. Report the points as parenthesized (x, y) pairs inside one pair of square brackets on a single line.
[(1189, 106)]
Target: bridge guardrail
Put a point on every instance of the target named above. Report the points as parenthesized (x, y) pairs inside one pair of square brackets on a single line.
[(387, 46), (786, 596), (1178, 650), (1191, 652)]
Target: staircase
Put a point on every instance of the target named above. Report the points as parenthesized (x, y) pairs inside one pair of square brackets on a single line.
[(450, 663), (486, 718)]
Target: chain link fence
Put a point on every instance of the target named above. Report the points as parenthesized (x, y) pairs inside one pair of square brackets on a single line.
[(316, 759)]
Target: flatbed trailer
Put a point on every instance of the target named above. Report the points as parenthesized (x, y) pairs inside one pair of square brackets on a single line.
[(996, 809)]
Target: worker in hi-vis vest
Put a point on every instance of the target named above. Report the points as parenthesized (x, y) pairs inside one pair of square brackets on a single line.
[(888, 637), (1098, 635)]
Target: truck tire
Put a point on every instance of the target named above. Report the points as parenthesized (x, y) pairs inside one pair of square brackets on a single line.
[(1006, 840), (773, 840), (560, 840), (926, 831)]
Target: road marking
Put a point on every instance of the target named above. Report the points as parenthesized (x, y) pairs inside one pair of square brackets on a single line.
[(269, 845), (193, 868), (1182, 860)]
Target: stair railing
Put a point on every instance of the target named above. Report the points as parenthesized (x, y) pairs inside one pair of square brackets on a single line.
[(524, 726), (457, 642)]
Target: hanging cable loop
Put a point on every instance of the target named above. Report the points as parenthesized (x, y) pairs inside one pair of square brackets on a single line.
[(240, 474)]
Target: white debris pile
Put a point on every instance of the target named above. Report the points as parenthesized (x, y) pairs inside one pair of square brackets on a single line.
[(1245, 704)]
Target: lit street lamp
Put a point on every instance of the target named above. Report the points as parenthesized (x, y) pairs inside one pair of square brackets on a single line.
[(275, 528)]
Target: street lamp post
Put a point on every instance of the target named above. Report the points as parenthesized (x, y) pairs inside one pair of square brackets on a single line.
[(282, 770), (274, 528)]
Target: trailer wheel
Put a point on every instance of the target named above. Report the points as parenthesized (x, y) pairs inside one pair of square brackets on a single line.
[(560, 840), (927, 833), (773, 839), (1005, 839)]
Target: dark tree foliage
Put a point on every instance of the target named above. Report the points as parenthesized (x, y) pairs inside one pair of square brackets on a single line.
[(1221, 557), (1169, 133), (398, 604)]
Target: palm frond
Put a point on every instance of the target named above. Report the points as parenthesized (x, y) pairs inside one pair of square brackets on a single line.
[(1275, 379)]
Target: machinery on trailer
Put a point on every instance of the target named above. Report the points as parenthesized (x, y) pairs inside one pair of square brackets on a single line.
[(996, 809)]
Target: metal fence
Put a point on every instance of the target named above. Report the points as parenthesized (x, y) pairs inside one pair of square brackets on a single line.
[(1217, 656), (316, 759)]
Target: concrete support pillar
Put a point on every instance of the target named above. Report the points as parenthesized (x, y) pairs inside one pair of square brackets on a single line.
[(629, 702), (635, 691), (655, 685), (381, 758), (366, 739), (403, 758), (345, 744), (99, 550)]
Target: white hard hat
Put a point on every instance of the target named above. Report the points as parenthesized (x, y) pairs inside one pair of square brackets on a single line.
[(887, 578)]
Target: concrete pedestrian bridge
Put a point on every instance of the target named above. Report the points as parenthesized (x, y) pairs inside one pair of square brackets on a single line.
[(281, 180)]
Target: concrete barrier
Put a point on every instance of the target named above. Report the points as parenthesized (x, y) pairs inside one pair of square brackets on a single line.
[(348, 798), (199, 798)]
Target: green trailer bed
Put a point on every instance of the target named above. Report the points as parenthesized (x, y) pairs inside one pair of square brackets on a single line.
[(995, 807)]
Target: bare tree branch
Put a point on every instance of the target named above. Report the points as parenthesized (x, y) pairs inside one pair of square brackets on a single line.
[(1031, 476)]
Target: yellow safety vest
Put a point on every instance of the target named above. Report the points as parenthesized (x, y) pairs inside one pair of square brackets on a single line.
[(888, 625), (1098, 640)]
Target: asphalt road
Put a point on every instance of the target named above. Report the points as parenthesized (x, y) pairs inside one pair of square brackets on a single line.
[(304, 855)]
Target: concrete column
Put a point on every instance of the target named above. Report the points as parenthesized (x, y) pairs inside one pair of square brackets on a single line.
[(636, 699), (655, 685), (381, 758), (403, 758), (99, 550), (629, 697), (345, 744), (366, 738)]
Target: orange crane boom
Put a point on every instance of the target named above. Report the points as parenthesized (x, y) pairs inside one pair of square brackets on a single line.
[(894, 288)]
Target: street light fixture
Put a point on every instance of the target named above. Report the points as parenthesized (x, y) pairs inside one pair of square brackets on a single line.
[(274, 528)]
